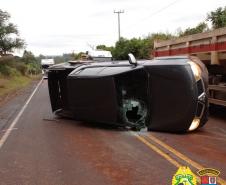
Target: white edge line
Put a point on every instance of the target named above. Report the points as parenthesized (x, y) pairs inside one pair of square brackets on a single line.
[(9, 130)]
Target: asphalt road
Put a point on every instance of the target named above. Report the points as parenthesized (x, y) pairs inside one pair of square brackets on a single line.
[(42, 150)]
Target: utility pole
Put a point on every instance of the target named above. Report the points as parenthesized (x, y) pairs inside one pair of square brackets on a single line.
[(119, 12)]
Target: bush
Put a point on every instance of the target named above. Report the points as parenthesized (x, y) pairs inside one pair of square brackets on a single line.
[(4, 70), (8, 71), (22, 68), (14, 66)]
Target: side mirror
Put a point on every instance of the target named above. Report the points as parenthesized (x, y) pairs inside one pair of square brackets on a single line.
[(132, 59)]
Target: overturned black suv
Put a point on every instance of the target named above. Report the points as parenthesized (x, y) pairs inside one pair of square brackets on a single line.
[(163, 94)]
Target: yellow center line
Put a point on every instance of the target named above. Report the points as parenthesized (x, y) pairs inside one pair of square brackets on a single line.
[(157, 150), (181, 156), (160, 152), (175, 152)]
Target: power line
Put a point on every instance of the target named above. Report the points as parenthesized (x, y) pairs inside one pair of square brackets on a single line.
[(154, 13), (119, 12)]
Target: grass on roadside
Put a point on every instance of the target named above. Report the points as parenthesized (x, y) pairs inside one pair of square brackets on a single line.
[(16, 73), (12, 84)]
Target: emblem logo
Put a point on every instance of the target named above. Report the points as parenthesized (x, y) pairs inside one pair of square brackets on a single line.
[(208, 176), (184, 176)]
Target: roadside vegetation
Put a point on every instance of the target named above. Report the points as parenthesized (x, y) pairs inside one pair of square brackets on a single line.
[(15, 72)]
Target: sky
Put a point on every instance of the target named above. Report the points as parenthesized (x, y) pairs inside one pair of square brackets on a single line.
[(54, 27)]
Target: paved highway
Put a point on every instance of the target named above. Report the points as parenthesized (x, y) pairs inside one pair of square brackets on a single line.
[(38, 149)]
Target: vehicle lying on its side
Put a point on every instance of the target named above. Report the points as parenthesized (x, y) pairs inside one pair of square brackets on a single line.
[(163, 94)]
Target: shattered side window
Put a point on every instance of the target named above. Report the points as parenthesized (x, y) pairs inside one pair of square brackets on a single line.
[(132, 89)]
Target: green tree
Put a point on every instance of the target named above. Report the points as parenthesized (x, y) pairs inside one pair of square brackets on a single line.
[(28, 57), (140, 47), (106, 48), (9, 39), (32, 63), (200, 28), (121, 50), (217, 17), (160, 36)]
